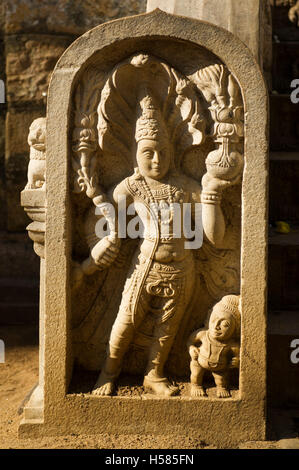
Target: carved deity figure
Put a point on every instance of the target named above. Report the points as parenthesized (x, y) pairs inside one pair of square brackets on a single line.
[(161, 278), (37, 164), (217, 348), (151, 127)]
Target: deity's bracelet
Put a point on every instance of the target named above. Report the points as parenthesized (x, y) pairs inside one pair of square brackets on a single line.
[(211, 197)]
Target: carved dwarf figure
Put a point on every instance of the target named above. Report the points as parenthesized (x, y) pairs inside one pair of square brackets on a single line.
[(216, 349), (162, 274), (37, 164)]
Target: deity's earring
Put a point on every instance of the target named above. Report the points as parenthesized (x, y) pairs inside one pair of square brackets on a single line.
[(137, 174)]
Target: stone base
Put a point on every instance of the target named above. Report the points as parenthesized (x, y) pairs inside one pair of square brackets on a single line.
[(33, 413), (34, 410), (224, 423)]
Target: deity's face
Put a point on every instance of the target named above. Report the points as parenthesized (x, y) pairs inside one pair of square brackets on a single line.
[(221, 325), (153, 158)]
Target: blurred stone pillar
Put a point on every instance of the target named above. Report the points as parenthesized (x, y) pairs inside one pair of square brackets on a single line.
[(249, 20), (2, 123)]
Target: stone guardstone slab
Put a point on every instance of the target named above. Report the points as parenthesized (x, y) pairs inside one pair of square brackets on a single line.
[(249, 21), (150, 219)]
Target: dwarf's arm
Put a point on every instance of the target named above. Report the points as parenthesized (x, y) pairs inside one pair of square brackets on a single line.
[(235, 352), (196, 337), (194, 342)]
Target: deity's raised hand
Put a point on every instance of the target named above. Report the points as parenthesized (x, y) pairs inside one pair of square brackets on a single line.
[(211, 184)]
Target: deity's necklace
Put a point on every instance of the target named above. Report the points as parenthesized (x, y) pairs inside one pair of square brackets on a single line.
[(156, 203)]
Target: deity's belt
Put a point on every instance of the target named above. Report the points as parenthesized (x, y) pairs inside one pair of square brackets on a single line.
[(175, 269)]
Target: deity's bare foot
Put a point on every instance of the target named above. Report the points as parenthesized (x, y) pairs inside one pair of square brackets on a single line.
[(197, 391), (223, 392), (160, 387), (103, 386)]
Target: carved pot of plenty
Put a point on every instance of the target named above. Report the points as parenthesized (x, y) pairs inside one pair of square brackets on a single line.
[(224, 162)]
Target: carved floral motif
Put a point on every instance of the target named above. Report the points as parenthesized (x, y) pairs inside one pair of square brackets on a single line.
[(222, 93), (294, 14)]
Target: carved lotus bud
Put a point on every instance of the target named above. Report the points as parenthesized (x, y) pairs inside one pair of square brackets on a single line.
[(225, 129), (225, 115)]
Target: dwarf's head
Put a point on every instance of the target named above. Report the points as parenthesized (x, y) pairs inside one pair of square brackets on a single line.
[(225, 319)]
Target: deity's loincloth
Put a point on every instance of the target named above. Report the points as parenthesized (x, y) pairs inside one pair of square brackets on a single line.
[(165, 289)]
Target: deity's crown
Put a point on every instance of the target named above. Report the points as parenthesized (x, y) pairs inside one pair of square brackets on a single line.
[(150, 123)]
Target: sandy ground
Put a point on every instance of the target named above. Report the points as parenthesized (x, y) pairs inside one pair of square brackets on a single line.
[(19, 374)]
